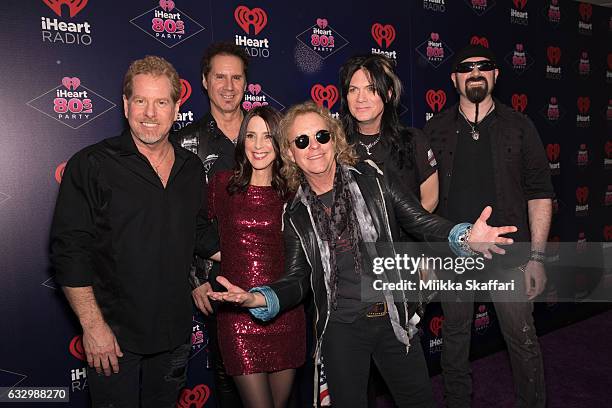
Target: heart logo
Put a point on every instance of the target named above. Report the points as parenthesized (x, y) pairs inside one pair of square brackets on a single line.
[(607, 233), (322, 23), (59, 172), (555, 2), (71, 83), (320, 94), (74, 6), (582, 195), (246, 17), (482, 41), (185, 91), (553, 54), (519, 102), (553, 151), (76, 348), (584, 104), (553, 100), (435, 325), (383, 32), (608, 149), (519, 47), (482, 309), (166, 5), (247, 105), (195, 397), (520, 4), (255, 89), (584, 55), (435, 99), (435, 37), (586, 11)]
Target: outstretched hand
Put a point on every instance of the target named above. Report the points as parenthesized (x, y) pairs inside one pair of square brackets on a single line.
[(237, 295), (485, 238)]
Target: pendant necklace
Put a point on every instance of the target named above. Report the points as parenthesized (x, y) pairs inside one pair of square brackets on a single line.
[(475, 132), (370, 145), (159, 163)]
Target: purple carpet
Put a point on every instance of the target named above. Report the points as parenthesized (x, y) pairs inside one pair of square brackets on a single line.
[(577, 363)]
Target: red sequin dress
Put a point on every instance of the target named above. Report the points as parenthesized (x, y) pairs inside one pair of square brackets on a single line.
[(252, 254)]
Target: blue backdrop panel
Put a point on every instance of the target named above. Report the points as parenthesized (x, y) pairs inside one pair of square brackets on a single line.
[(63, 62)]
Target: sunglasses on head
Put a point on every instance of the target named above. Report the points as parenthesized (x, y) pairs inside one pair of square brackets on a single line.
[(465, 67), (302, 141)]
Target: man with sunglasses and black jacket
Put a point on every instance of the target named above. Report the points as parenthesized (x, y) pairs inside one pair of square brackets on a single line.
[(489, 154)]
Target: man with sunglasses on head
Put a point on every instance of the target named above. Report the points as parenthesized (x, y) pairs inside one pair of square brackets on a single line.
[(340, 203), (489, 154)]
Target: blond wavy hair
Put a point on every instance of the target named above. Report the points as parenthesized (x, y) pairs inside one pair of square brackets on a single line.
[(344, 152), (156, 66)]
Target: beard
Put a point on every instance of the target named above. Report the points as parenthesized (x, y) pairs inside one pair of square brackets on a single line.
[(476, 94)]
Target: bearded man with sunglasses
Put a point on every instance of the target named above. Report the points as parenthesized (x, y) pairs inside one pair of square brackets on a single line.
[(489, 154), (340, 206)]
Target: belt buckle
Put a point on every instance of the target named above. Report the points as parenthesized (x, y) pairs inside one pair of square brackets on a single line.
[(378, 309)]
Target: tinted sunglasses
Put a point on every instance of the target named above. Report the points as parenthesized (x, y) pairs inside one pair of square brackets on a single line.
[(465, 67), (302, 141)]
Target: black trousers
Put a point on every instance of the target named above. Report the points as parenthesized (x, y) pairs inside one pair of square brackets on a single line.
[(515, 315), (347, 350), (143, 380)]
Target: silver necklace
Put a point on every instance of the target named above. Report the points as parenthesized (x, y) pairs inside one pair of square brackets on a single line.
[(474, 132), (370, 145), (159, 163)]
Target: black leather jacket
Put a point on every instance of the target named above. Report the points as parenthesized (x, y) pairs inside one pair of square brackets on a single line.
[(216, 151), (390, 207)]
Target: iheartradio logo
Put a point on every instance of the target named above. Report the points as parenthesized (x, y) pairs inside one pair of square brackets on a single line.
[(519, 102), (435, 99), (195, 397), (246, 17), (74, 6), (76, 348), (584, 104), (321, 94), (59, 172), (71, 83), (435, 325), (582, 195), (519, 4), (482, 41), (585, 11), (185, 91), (607, 232), (554, 55), (383, 34), (553, 152)]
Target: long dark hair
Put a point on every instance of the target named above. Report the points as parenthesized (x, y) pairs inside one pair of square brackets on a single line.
[(388, 86), (240, 179)]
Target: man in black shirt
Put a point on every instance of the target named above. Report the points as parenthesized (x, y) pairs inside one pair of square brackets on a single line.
[(491, 155), (128, 218), (224, 77), (370, 93)]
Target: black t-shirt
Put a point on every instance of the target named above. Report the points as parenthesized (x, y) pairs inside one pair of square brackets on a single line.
[(350, 304), (424, 162), (472, 187)]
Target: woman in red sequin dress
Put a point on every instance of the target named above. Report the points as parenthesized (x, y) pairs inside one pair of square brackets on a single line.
[(248, 204)]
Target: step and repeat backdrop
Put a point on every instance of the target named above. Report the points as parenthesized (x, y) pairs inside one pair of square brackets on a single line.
[(63, 64)]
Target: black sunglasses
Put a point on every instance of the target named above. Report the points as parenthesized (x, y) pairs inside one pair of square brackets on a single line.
[(302, 141), (484, 65)]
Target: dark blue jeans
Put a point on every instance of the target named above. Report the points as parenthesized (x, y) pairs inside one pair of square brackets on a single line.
[(143, 380), (347, 351)]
